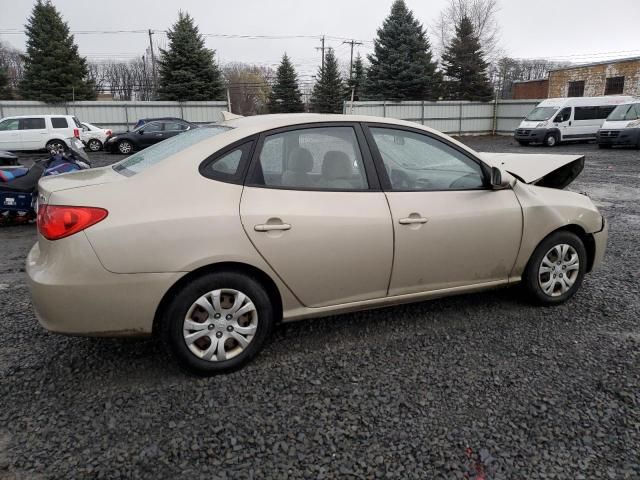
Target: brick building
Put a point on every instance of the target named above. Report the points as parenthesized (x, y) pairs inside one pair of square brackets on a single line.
[(613, 77), (530, 89)]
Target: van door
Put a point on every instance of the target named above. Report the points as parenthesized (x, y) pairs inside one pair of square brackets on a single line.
[(563, 120), (10, 134), (34, 133), (585, 123)]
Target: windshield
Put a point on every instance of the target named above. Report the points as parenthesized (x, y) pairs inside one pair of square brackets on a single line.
[(625, 112), (157, 153), (539, 114)]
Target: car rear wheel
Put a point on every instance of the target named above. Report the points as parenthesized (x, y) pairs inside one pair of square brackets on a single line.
[(56, 145), (125, 147), (94, 145), (217, 323), (551, 140), (556, 268)]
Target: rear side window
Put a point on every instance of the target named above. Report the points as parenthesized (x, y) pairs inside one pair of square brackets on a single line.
[(228, 167), (33, 124), (59, 122), (604, 111)]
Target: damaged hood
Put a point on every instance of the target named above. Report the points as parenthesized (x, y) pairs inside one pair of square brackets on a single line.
[(545, 170)]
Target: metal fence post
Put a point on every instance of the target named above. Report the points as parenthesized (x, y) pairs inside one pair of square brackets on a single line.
[(495, 116), (384, 108), (460, 121), (422, 114), (1, 110), (126, 115)]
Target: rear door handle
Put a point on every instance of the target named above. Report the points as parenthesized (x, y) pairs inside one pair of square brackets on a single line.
[(412, 220), (268, 227)]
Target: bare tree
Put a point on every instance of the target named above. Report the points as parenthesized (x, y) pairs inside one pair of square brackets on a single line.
[(12, 59), (507, 70), (124, 80), (248, 87), (483, 16)]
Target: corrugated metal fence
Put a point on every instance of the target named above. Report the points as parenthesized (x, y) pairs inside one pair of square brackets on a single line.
[(118, 115), (452, 117)]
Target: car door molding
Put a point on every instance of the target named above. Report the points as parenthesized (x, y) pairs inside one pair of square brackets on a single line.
[(366, 154), (384, 179)]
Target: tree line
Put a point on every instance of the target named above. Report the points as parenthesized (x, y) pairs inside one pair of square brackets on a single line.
[(402, 66)]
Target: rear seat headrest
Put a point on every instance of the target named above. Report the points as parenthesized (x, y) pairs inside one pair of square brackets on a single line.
[(300, 160), (336, 165)]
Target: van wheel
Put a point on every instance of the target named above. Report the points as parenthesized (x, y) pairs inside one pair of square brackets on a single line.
[(551, 140), (217, 323), (556, 269), (56, 145)]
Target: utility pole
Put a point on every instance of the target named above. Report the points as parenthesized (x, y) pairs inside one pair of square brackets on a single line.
[(153, 60), (352, 43), (321, 48)]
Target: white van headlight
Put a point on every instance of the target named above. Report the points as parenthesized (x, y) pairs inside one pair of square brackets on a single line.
[(541, 124), (634, 123)]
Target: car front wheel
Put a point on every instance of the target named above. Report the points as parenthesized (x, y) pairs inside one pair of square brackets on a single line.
[(217, 323), (125, 147), (556, 268)]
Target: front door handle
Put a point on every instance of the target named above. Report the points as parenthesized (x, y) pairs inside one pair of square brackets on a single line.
[(412, 220), (268, 227)]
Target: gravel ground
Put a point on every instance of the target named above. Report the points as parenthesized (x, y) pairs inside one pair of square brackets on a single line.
[(453, 388)]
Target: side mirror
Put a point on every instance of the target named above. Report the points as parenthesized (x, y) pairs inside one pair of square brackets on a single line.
[(497, 180), (141, 131)]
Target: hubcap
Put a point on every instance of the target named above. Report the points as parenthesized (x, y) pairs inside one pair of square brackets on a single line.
[(220, 325), (125, 148), (94, 146), (559, 270)]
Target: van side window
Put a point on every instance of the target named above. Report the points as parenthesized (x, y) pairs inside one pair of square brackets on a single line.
[(586, 113), (59, 122), (605, 110), (563, 116)]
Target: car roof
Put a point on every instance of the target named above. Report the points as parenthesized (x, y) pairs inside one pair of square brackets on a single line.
[(37, 116)]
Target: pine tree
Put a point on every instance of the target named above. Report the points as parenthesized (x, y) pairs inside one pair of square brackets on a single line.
[(285, 95), (402, 66), (465, 66), (53, 69), (357, 80), (328, 92), (187, 70), (5, 88)]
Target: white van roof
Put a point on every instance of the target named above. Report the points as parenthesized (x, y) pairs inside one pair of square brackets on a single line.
[(586, 101)]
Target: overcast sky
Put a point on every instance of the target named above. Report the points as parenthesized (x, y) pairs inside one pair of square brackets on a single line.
[(573, 30)]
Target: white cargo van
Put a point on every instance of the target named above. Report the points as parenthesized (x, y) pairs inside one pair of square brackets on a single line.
[(622, 126), (37, 132), (558, 120)]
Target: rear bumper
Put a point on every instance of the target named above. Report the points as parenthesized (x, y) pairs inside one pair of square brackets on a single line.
[(73, 294), (600, 238), (533, 135), (626, 136)]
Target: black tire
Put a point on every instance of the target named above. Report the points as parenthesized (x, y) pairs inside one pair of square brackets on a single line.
[(94, 145), (551, 140), (57, 144), (523, 143), (173, 318), (125, 147), (531, 280)]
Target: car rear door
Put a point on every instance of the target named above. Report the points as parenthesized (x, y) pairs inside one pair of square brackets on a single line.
[(313, 209), (451, 230), (34, 133)]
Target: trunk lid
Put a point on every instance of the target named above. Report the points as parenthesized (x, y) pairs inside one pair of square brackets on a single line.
[(83, 178), (545, 170)]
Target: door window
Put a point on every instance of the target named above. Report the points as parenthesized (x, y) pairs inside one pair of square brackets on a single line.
[(175, 127), (586, 113), (33, 124), (419, 162), (563, 116), (10, 124), (324, 158), (152, 127), (59, 122), (230, 166)]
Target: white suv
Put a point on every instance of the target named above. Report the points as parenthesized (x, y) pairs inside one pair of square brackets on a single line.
[(37, 132)]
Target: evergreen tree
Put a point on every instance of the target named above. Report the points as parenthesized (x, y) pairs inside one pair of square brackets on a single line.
[(285, 95), (328, 92), (465, 66), (357, 80), (187, 70), (5, 88), (53, 69), (402, 66)]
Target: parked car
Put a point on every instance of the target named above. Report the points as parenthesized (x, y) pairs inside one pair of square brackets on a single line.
[(94, 137), (38, 132), (557, 120), (212, 237), (146, 135), (622, 126), (142, 121), (8, 159)]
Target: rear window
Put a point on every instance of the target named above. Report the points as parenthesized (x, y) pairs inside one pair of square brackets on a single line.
[(160, 151), (59, 122)]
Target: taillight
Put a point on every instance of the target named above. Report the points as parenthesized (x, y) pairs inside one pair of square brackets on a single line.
[(108, 133), (59, 221), (76, 132)]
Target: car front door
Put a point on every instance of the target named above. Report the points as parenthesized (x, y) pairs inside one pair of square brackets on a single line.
[(451, 230), (10, 134), (313, 209), (150, 134)]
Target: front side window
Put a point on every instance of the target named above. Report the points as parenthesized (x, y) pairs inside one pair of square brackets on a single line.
[(324, 158), (33, 124), (160, 151), (419, 162), (9, 124), (563, 116), (59, 122), (152, 127), (175, 127)]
